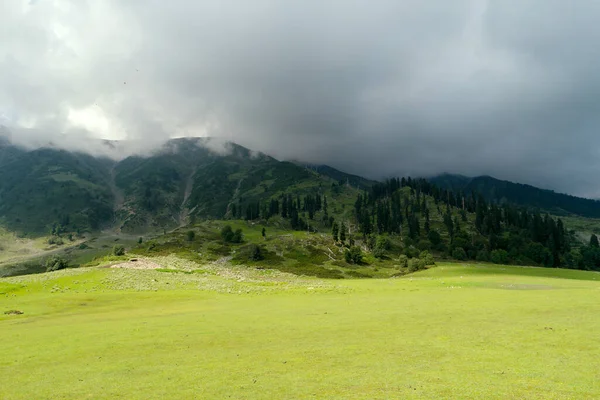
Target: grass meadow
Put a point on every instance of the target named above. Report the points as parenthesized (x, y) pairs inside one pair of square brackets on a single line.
[(212, 331)]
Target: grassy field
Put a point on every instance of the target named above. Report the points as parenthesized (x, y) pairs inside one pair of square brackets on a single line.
[(213, 331)]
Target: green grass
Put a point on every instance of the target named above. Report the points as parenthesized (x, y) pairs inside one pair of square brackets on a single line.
[(455, 331)]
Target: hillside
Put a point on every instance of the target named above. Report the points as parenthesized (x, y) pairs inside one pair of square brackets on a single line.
[(342, 177), (46, 187), (500, 191), (185, 180)]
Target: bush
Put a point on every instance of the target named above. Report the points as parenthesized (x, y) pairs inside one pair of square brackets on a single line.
[(459, 254), (238, 236), (118, 250), (353, 255), (55, 263), (381, 246), (416, 264), (255, 253), (427, 258), (403, 261), (56, 240), (227, 233), (229, 236), (483, 255), (499, 257), (411, 252), (190, 235)]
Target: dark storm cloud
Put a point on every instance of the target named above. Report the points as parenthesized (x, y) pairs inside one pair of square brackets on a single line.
[(501, 87)]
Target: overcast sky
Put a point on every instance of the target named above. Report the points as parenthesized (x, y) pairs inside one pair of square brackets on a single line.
[(509, 88)]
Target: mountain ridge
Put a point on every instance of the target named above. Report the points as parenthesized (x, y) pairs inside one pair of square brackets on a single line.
[(500, 191), (196, 178)]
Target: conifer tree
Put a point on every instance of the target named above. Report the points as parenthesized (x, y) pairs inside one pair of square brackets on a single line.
[(334, 231)]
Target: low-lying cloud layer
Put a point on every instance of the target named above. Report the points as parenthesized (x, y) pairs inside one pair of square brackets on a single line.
[(378, 88)]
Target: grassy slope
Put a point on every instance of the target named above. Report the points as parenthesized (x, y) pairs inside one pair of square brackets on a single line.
[(449, 332)]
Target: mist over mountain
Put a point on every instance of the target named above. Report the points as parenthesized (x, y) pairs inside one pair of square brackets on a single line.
[(500, 88), (183, 180)]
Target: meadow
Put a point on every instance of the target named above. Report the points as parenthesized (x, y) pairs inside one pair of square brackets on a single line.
[(217, 331)]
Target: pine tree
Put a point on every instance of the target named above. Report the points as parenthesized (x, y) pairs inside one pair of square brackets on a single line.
[(449, 224), (334, 231), (594, 241), (342, 232)]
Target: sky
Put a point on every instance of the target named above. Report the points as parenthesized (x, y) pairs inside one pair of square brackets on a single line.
[(380, 88)]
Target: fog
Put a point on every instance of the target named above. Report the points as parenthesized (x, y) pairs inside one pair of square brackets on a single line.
[(382, 88)]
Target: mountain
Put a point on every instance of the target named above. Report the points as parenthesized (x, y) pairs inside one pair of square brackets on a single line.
[(43, 187), (186, 179), (342, 177), (500, 191)]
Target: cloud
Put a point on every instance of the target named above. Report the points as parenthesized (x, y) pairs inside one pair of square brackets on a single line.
[(501, 87)]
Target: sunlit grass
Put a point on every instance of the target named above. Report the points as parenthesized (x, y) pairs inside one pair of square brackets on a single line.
[(455, 331)]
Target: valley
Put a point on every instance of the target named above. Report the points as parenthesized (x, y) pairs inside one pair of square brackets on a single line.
[(201, 273)]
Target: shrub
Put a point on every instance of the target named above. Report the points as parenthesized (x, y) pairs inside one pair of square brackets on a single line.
[(55, 263), (416, 264), (227, 233), (238, 236), (499, 256), (190, 235), (255, 253), (118, 250), (411, 252), (353, 255), (56, 240), (483, 255), (229, 236), (381, 246), (403, 261), (427, 258), (459, 254)]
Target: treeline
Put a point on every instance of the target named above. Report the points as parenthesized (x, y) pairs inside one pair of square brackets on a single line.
[(493, 190), (467, 226), (299, 210), (500, 233)]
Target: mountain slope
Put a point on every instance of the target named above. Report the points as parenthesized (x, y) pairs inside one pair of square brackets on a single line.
[(44, 187), (186, 179), (343, 177), (500, 191)]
